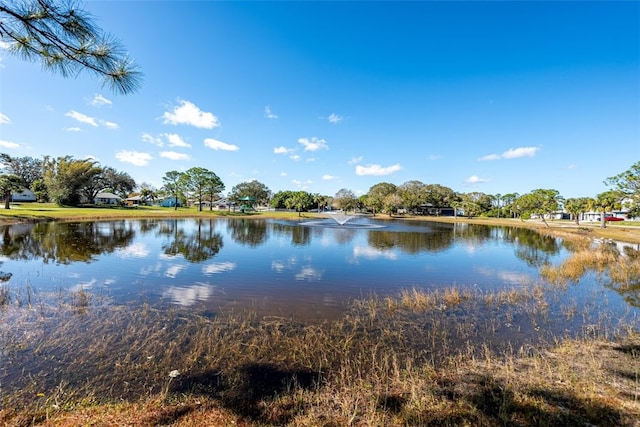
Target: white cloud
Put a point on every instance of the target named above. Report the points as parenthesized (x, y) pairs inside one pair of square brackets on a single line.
[(110, 125), (172, 155), (174, 270), (301, 184), (329, 177), (309, 274), (355, 160), (377, 170), (82, 118), (295, 157), (281, 150), (373, 253), (73, 129), (334, 118), (313, 144), (9, 144), (218, 267), (189, 114), (136, 250), (268, 114), (434, 157), (99, 100), (512, 153), (473, 179), (136, 158), (277, 266), (214, 144), (176, 140), (188, 295), (283, 174), (310, 159), (4, 120), (152, 139), (490, 157)]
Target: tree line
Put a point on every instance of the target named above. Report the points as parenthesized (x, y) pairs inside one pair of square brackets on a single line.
[(434, 199), (70, 182)]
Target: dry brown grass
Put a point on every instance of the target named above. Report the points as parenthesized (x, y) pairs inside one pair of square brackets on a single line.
[(421, 358)]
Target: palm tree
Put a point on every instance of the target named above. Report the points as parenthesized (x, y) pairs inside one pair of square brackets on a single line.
[(607, 201)]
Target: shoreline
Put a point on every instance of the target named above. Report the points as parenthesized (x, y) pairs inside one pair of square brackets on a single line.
[(49, 212)]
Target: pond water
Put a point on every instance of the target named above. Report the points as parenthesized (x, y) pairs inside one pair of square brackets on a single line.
[(307, 270)]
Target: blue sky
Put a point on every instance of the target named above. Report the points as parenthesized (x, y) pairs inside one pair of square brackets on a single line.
[(497, 97)]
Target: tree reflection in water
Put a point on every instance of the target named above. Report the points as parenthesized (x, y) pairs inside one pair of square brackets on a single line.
[(248, 232), (64, 242), (197, 244)]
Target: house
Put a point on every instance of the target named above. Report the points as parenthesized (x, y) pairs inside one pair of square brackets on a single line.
[(429, 209), (133, 201), (222, 204), (25, 195), (170, 202), (107, 199)]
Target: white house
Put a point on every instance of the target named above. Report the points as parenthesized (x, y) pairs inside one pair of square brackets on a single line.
[(107, 199), (25, 195)]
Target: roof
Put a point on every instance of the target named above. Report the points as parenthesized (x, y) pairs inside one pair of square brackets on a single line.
[(107, 196)]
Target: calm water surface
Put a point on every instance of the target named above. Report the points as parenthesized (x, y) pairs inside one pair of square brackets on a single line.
[(305, 269)]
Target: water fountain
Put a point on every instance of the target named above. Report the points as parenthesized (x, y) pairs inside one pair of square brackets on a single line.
[(342, 220), (341, 217)]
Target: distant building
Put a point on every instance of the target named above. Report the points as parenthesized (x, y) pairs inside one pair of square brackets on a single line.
[(25, 195), (107, 199), (133, 201), (170, 202)]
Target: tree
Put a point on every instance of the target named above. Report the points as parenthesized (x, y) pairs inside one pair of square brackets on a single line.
[(628, 183), (40, 190), (108, 179), (474, 203), (174, 185), (576, 206), (254, 188), (121, 183), (413, 194), (345, 200), (67, 178), (9, 184), (320, 200), (392, 203), (65, 39), (279, 200), (377, 195), (606, 201), (213, 187), (469, 205), (148, 192), (300, 201), (440, 196), (540, 202), (508, 203), (200, 182), (27, 168)]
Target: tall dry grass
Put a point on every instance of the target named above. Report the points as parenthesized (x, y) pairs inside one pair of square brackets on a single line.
[(455, 356)]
